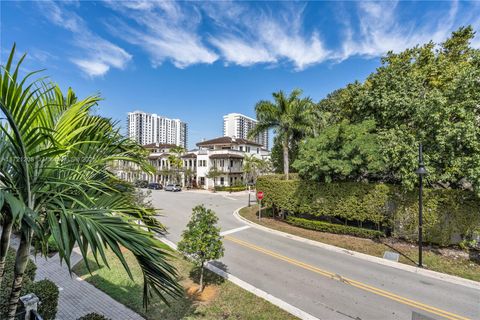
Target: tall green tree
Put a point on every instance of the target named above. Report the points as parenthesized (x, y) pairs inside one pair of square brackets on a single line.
[(288, 115), (428, 94), (54, 176), (201, 241), (342, 151)]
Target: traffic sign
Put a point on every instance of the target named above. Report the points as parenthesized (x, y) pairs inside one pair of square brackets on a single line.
[(260, 195)]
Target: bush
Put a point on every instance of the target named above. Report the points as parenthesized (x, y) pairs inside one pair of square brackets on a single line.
[(93, 316), (334, 228), (233, 188), (6, 286), (47, 292), (450, 216), (349, 201)]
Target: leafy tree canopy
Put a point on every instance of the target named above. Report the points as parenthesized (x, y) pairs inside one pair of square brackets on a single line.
[(428, 94), (342, 151)]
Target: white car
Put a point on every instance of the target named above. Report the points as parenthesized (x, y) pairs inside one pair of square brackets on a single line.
[(173, 187)]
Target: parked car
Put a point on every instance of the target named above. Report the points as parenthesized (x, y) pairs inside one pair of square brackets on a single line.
[(141, 183), (173, 187), (155, 186)]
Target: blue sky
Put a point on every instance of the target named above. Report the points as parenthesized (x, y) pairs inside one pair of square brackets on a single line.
[(200, 60)]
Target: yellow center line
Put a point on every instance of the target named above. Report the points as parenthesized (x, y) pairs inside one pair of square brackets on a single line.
[(354, 283)]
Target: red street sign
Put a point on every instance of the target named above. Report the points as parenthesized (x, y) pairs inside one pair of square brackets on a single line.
[(260, 195)]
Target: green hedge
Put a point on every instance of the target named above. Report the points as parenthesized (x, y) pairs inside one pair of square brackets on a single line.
[(334, 228), (233, 188), (47, 292), (6, 286), (449, 215), (349, 201)]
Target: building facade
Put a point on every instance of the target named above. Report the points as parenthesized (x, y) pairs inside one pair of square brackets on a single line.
[(238, 126), (146, 128), (224, 156)]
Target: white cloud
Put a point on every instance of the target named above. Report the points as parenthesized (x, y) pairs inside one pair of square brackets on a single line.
[(381, 29), (247, 37), (167, 31), (99, 54), (240, 52), (92, 68), (246, 34)]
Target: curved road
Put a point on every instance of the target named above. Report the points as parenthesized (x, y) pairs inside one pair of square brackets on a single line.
[(325, 284)]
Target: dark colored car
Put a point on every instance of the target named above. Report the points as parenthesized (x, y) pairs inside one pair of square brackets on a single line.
[(155, 186), (141, 183), (173, 187)]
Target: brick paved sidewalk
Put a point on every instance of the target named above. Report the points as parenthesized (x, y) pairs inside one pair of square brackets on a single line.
[(78, 297)]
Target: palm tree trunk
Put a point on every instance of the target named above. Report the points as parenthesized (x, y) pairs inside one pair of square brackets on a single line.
[(21, 261), (285, 157), (4, 243)]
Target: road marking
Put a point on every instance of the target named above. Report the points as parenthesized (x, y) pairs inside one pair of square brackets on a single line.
[(354, 283), (227, 197), (250, 288), (224, 233)]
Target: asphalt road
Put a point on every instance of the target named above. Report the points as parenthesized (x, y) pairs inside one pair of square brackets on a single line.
[(325, 284)]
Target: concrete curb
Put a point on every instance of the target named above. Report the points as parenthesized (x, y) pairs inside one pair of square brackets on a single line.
[(250, 288), (428, 273)]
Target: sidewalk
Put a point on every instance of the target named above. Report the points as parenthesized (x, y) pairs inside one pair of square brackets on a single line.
[(77, 297)]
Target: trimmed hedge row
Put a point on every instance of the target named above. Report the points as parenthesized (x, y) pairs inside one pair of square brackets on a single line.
[(449, 215), (233, 188), (334, 228)]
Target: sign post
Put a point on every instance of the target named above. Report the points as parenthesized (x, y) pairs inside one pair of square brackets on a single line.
[(259, 197)]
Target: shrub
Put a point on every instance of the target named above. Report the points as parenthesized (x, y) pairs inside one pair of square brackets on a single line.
[(450, 216), (6, 286), (334, 228), (349, 201), (233, 188), (93, 316), (47, 292)]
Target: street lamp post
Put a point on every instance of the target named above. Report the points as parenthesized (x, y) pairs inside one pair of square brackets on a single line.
[(421, 171)]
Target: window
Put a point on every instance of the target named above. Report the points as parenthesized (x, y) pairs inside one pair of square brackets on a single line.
[(222, 181), (247, 149), (258, 150), (241, 148), (231, 163)]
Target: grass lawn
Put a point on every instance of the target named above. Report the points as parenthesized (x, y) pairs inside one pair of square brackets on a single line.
[(451, 261), (221, 299)]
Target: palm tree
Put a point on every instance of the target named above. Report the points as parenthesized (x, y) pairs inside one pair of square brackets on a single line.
[(287, 116), (254, 166), (54, 182), (175, 160)]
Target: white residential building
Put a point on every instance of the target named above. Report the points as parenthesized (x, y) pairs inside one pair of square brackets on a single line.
[(146, 128), (237, 125), (225, 154)]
